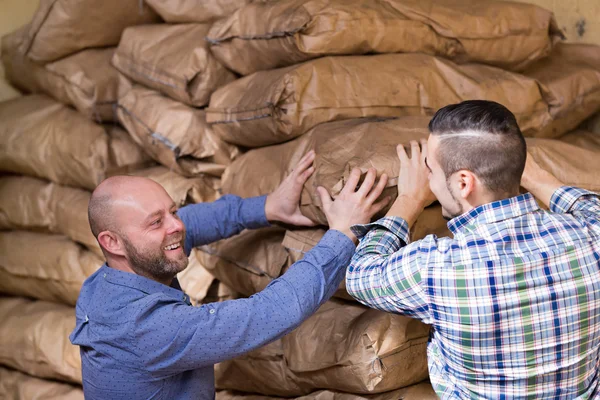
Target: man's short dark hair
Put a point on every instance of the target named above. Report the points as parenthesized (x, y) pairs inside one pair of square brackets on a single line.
[(482, 137)]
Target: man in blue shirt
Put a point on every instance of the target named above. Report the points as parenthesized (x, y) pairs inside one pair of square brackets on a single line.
[(140, 337)]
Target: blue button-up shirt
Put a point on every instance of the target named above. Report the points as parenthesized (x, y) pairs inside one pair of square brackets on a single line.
[(141, 339), (514, 297)]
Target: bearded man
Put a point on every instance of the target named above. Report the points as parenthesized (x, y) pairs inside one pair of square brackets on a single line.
[(140, 337), (514, 297)]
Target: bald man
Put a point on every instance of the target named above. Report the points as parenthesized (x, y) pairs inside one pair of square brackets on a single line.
[(140, 337)]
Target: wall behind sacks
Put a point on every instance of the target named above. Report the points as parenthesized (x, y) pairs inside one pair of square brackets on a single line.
[(13, 14), (579, 19)]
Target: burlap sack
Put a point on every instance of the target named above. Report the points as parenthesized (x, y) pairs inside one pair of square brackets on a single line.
[(35, 339), (173, 59), (271, 107), (266, 35), (420, 391), (174, 134), (583, 138), (183, 190), (339, 146), (571, 76), (41, 137), (195, 280), (247, 262), (571, 164), (33, 204), (63, 27), (15, 385), (43, 266), (85, 80), (178, 11), (344, 347)]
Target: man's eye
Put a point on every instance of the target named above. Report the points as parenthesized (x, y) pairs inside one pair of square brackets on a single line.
[(156, 222)]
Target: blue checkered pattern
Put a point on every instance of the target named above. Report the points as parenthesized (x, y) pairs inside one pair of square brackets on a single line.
[(513, 298)]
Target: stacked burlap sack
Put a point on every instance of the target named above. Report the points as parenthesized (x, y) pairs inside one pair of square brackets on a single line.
[(351, 80), (346, 78), (57, 143)]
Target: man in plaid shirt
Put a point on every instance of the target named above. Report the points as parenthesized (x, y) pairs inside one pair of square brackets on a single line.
[(514, 297)]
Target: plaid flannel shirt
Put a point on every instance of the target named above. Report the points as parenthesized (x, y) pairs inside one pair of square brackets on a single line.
[(513, 298)]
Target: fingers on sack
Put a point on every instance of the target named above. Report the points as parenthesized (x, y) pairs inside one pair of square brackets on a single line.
[(415, 150), (325, 197), (302, 178), (305, 162), (401, 153), (378, 189), (350, 186), (368, 183), (424, 149)]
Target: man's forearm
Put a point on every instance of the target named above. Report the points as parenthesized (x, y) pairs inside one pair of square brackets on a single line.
[(407, 209)]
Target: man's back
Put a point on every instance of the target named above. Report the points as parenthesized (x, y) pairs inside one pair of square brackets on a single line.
[(514, 298)]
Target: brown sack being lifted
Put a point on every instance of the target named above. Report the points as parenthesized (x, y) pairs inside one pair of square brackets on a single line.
[(85, 80), (275, 106), (345, 347), (41, 137), (420, 391), (571, 75), (178, 11), (339, 147), (63, 27), (15, 385), (266, 35), (576, 164), (173, 133), (54, 271), (35, 339), (173, 59)]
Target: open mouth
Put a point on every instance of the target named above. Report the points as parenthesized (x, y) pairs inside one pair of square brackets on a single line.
[(173, 246)]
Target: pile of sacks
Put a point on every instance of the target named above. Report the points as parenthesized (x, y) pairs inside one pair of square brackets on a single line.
[(225, 97)]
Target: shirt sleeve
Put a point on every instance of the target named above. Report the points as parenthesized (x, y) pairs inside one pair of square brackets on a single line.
[(208, 222), (582, 204), (386, 270), (172, 337)]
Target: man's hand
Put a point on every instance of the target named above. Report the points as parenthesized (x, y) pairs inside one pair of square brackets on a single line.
[(414, 193), (283, 204), (354, 206), (541, 183)]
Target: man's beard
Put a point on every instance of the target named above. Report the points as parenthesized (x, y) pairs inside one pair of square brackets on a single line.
[(458, 208), (154, 265)]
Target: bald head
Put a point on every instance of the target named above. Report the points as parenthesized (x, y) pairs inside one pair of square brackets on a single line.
[(112, 192)]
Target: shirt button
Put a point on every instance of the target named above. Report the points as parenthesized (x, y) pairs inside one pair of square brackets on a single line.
[(105, 275), (212, 311)]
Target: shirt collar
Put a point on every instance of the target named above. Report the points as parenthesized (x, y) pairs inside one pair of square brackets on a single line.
[(143, 284), (494, 212)]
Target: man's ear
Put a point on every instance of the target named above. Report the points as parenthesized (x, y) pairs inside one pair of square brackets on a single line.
[(111, 243), (467, 182)]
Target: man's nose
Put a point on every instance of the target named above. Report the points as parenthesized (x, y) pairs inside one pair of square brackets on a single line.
[(175, 224)]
